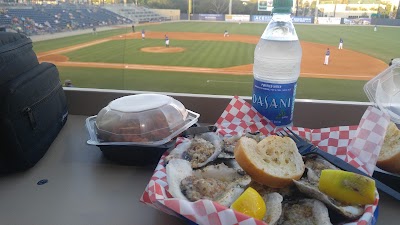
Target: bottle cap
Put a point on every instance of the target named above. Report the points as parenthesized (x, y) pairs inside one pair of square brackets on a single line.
[(282, 6)]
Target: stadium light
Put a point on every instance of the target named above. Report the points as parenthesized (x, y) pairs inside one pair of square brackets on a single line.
[(316, 12)]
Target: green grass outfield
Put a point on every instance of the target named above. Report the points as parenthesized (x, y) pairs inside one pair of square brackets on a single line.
[(382, 45), (210, 54), (200, 83)]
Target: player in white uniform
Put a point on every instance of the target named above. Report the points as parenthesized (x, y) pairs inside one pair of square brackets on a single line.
[(340, 44), (166, 41), (327, 54), (226, 33)]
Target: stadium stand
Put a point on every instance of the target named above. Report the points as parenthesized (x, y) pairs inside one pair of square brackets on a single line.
[(138, 14), (38, 19)]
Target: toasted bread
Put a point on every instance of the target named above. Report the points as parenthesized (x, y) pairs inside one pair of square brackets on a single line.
[(274, 161), (389, 156)]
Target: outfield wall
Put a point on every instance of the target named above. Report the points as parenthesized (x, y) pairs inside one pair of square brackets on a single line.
[(296, 19), (385, 22)]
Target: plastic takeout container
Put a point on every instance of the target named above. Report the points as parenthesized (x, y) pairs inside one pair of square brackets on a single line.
[(144, 119), (137, 130), (384, 91), (127, 153)]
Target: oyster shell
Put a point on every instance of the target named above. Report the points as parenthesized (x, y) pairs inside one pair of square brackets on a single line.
[(304, 212), (309, 186), (273, 201), (199, 151), (229, 144), (217, 183)]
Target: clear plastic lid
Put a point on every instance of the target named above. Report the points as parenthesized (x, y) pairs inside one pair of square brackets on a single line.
[(384, 91), (142, 118)]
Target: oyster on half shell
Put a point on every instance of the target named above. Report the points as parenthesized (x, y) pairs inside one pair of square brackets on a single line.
[(229, 143), (199, 151), (218, 183), (308, 185)]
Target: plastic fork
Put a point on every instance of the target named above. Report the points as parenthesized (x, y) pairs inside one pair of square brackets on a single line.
[(306, 147)]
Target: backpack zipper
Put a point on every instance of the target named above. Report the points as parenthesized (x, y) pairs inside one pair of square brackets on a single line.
[(29, 110)]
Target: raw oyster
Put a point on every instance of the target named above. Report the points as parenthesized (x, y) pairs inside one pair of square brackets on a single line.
[(218, 183), (309, 186), (199, 151)]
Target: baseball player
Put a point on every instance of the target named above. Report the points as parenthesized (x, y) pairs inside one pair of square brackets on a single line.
[(327, 54), (340, 44), (226, 34), (166, 41), (375, 28), (143, 34)]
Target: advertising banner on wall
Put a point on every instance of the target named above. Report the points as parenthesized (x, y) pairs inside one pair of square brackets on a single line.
[(357, 21), (265, 5), (212, 17), (264, 18), (260, 18), (237, 18), (328, 20), (302, 20)]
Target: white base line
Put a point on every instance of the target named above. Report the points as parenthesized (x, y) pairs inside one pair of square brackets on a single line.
[(336, 75), (227, 81)]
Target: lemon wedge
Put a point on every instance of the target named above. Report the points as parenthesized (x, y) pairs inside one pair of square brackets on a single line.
[(250, 203), (347, 187)]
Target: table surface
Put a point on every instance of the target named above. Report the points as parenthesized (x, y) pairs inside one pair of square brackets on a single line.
[(85, 188)]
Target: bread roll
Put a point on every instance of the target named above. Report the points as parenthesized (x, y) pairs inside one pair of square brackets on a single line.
[(389, 156), (274, 161)]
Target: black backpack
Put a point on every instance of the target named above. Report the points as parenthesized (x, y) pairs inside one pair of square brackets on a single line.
[(33, 106)]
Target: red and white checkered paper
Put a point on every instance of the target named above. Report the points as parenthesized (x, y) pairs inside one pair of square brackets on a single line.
[(359, 145)]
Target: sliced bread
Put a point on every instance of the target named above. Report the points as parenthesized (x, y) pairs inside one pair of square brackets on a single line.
[(274, 161), (389, 156)]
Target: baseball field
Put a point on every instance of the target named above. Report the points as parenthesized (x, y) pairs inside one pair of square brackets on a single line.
[(201, 60)]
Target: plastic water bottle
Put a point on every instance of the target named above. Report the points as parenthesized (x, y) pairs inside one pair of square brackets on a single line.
[(277, 60)]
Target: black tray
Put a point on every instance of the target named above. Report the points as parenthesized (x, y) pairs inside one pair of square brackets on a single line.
[(135, 155)]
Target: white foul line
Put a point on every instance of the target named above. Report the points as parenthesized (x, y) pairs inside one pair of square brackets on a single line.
[(336, 75), (227, 81)]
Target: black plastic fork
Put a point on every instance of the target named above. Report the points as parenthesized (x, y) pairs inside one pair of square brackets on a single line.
[(306, 147)]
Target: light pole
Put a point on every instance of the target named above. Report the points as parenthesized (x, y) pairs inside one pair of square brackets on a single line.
[(189, 8), (316, 12), (334, 10)]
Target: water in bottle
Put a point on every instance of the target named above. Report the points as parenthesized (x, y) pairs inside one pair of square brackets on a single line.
[(277, 60)]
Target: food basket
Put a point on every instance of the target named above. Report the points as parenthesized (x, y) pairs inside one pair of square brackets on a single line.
[(137, 130), (358, 145)]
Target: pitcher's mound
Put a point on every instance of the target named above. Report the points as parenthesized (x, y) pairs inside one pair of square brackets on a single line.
[(162, 49)]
